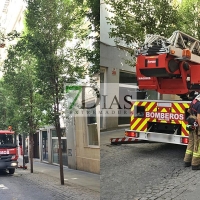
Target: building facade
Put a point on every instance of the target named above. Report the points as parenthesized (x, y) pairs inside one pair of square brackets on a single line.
[(83, 134), (48, 145), (80, 137), (11, 19), (115, 73), (80, 143)]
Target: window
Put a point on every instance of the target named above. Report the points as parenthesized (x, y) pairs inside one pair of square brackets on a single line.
[(91, 113), (63, 133), (127, 78), (6, 139), (102, 75), (55, 147), (45, 145), (92, 124)]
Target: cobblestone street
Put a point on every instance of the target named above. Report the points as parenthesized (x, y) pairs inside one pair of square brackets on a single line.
[(26, 186), (146, 171)]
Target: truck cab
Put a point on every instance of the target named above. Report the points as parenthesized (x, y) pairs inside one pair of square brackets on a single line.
[(8, 151)]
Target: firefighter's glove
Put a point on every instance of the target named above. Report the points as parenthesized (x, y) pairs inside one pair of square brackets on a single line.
[(190, 127), (191, 119), (196, 124)]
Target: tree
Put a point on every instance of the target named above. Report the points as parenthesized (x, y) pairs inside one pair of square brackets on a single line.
[(50, 24), (91, 13), (9, 110), (133, 19), (3, 106), (189, 18), (26, 105), (9, 36)]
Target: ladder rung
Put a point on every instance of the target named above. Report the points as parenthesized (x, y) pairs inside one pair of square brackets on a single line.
[(177, 42)]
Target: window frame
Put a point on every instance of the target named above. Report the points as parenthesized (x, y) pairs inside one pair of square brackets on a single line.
[(91, 124)]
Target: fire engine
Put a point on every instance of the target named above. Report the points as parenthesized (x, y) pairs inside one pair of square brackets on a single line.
[(168, 66), (8, 151)]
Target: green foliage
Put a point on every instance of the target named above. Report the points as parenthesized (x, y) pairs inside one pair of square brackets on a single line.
[(43, 61), (90, 10), (9, 36), (133, 19), (189, 18), (93, 15), (50, 26), (24, 109), (3, 107)]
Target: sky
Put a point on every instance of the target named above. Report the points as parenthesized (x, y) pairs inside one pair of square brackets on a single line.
[(2, 2)]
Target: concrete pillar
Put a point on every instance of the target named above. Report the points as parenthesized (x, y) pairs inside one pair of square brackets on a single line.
[(71, 143), (49, 136), (40, 145)]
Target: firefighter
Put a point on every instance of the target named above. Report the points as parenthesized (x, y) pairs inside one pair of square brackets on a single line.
[(192, 154)]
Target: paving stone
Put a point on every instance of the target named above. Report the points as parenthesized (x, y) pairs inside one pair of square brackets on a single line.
[(146, 169)]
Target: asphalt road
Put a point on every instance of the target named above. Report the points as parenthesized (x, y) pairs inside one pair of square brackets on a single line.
[(139, 171), (38, 186)]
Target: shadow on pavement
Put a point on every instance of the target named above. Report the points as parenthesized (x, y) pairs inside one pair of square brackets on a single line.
[(4, 173)]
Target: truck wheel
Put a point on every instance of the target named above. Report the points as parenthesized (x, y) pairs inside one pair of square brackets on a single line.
[(11, 171)]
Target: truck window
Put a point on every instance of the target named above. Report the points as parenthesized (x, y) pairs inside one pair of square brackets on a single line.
[(6, 139)]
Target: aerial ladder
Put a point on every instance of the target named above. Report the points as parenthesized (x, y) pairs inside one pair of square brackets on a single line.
[(168, 66)]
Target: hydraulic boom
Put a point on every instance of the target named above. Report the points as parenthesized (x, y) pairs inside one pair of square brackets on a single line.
[(169, 66)]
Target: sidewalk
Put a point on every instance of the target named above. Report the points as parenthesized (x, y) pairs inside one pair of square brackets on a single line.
[(85, 179)]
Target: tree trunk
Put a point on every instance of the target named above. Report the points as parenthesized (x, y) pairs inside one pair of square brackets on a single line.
[(58, 130), (31, 151), (31, 131)]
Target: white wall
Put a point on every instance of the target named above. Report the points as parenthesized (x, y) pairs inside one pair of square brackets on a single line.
[(12, 17), (104, 27), (110, 55)]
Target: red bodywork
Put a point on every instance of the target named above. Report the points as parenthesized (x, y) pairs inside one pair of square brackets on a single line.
[(167, 75), (8, 151)]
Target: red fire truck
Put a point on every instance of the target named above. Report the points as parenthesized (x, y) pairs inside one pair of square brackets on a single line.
[(8, 151), (169, 66)]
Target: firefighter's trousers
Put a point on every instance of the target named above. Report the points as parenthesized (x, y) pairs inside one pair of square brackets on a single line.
[(192, 153)]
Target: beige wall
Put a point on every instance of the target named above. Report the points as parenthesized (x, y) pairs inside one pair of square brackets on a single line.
[(87, 157)]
